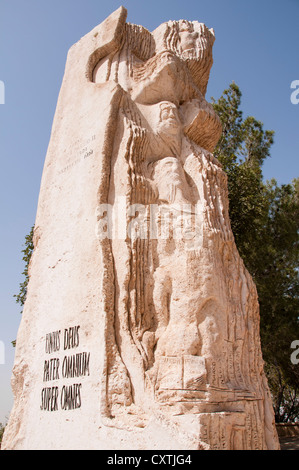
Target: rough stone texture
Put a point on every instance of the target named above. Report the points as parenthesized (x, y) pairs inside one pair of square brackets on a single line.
[(134, 341)]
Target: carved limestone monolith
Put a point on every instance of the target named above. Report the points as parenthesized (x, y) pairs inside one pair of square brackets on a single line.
[(141, 324)]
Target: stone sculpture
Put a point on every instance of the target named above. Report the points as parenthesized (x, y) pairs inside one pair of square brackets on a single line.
[(149, 317)]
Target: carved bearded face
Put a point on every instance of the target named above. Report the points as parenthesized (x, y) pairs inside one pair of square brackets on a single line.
[(188, 37), (169, 119), (168, 172)]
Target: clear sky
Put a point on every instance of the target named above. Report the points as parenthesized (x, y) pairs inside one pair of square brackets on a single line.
[(257, 46)]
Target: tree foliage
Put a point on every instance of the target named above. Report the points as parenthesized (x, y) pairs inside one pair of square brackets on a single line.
[(265, 222), (27, 252)]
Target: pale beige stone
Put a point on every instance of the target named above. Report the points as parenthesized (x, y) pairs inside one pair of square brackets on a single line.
[(160, 319)]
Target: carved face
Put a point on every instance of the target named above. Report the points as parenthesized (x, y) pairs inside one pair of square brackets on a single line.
[(188, 37), (169, 118), (168, 170)]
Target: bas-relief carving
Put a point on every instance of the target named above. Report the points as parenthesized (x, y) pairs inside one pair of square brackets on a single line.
[(182, 333)]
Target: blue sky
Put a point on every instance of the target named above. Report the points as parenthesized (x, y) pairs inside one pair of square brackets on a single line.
[(257, 46)]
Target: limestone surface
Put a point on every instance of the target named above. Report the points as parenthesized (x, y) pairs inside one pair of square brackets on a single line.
[(141, 324)]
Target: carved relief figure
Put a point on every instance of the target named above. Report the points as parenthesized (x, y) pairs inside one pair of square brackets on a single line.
[(185, 309)]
